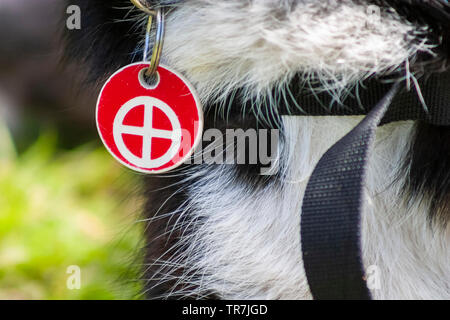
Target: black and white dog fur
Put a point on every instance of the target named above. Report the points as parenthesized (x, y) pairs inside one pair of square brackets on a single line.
[(224, 231)]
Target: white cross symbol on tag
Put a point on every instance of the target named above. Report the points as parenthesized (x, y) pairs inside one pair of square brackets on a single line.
[(147, 132)]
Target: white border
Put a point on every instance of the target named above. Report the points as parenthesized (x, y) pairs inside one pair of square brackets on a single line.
[(200, 119)]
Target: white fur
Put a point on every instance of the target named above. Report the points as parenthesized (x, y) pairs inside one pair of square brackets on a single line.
[(246, 243), (221, 45)]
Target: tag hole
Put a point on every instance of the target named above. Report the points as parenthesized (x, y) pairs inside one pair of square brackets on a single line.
[(149, 82)]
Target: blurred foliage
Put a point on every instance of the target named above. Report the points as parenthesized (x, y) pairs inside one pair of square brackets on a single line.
[(59, 209)]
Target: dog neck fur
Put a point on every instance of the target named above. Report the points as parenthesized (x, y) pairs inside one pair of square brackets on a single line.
[(256, 45)]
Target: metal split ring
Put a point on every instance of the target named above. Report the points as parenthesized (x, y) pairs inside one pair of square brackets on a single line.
[(159, 36), (142, 5)]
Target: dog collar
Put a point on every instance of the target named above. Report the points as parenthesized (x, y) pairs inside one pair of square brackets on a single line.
[(429, 103)]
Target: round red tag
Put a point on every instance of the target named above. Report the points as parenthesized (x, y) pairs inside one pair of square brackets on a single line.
[(150, 129)]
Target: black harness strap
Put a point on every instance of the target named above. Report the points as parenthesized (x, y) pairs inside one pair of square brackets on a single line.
[(406, 105), (332, 204)]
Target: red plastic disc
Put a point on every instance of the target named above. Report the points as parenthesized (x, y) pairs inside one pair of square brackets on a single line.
[(150, 129)]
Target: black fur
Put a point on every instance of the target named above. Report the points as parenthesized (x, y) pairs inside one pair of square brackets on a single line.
[(103, 43), (436, 15), (428, 168), (109, 35)]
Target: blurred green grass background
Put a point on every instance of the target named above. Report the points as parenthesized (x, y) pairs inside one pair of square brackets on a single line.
[(62, 208)]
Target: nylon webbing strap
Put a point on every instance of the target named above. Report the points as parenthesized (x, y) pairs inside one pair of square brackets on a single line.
[(407, 105), (330, 222)]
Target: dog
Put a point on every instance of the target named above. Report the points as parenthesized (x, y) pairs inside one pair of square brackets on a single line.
[(225, 231)]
